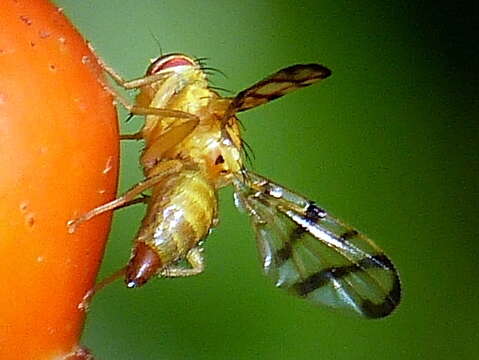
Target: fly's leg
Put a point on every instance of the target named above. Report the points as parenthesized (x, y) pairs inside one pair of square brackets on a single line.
[(166, 141), (85, 303), (139, 110), (141, 200), (130, 197), (79, 352), (162, 143), (134, 84), (129, 84), (194, 258), (135, 136)]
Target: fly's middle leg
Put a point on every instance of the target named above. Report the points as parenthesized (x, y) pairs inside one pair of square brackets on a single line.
[(135, 136), (140, 110), (166, 141), (131, 196)]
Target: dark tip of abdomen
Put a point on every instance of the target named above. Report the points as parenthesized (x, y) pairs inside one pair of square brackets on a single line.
[(144, 264)]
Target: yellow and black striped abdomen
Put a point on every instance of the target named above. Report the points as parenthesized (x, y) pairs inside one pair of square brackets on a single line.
[(180, 213)]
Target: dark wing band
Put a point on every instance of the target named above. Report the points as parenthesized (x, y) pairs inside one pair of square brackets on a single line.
[(276, 85), (315, 256)]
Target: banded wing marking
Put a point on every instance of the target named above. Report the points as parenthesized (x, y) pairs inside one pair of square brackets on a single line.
[(276, 85), (315, 256)]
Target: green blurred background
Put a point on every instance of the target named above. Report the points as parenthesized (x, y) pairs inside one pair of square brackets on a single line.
[(388, 143)]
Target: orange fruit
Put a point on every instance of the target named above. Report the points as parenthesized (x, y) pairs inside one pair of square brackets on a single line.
[(58, 158)]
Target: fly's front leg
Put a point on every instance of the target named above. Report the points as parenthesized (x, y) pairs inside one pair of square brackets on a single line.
[(195, 259), (130, 197), (129, 84), (135, 84)]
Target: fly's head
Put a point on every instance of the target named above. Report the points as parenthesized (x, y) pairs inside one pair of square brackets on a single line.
[(172, 62), (170, 74)]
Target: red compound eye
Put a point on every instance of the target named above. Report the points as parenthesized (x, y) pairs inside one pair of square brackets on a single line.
[(169, 61)]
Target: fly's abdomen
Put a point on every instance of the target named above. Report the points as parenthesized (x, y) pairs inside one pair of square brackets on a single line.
[(180, 213)]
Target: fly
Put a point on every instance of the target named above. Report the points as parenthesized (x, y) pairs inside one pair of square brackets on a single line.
[(193, 147)]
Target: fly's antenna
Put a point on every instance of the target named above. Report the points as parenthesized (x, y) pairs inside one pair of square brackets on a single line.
[(157, 41)]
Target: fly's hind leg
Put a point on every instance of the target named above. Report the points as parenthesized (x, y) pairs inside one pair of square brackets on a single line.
[(195, 258), (131, 196), (87, 298)]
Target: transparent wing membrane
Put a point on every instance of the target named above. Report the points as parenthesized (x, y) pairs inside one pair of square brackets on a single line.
[(315, 256)]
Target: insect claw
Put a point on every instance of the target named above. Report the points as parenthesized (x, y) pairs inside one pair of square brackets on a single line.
[(71, 225), (84, 305)]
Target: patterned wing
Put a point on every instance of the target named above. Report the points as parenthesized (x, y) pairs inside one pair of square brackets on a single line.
[(315, 256), (276, 85)]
